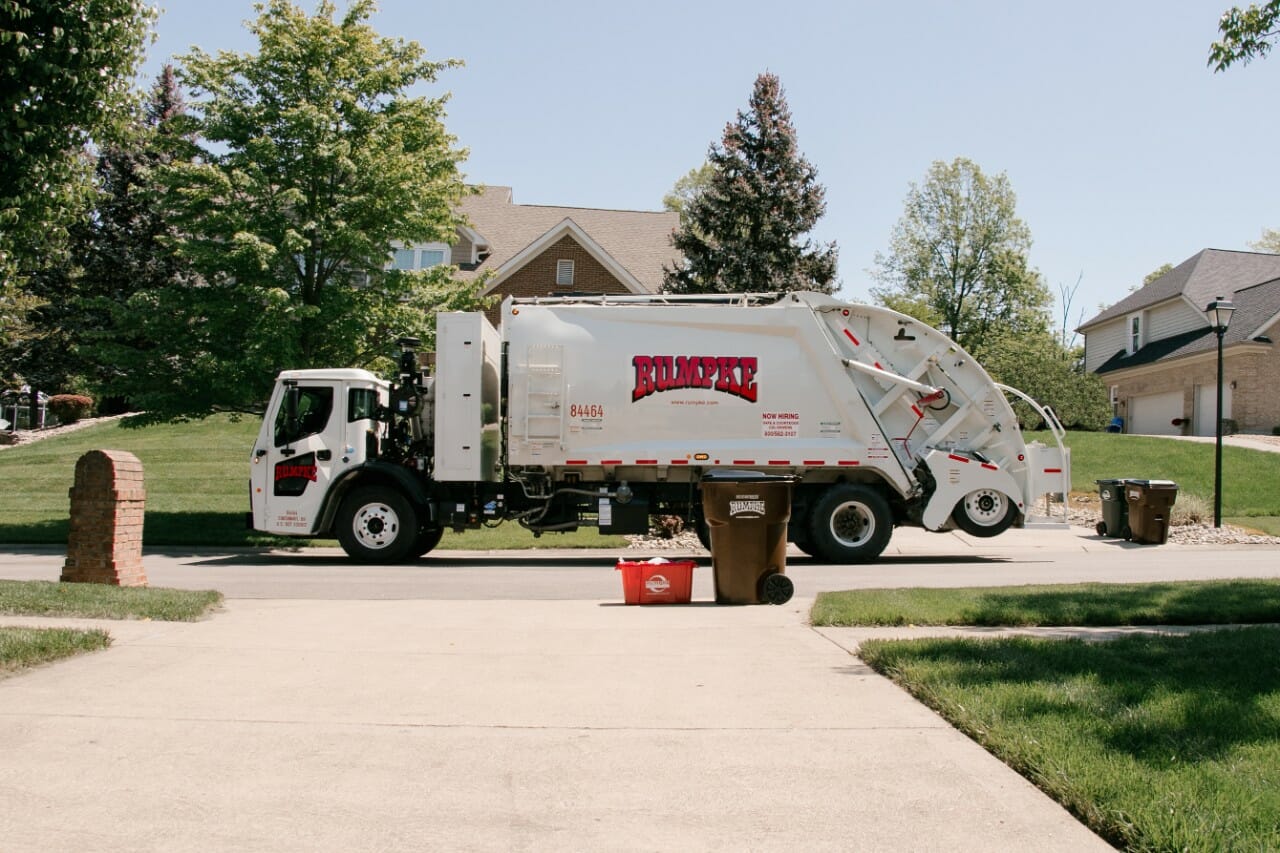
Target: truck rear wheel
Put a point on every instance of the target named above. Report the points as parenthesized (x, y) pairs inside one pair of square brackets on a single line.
[(850, 523), (377, 524), (984, 513)]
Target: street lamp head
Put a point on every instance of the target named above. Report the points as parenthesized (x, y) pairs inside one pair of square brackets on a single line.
[(1219, 312)]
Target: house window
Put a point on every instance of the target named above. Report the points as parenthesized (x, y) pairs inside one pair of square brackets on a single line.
[(1135, 333), (431, 258), (403, 259), (564, 273)]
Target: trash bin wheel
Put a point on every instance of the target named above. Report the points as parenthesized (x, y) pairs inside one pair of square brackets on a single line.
[(1126, 533), (1101, 527), (850, 523), (777, 588)]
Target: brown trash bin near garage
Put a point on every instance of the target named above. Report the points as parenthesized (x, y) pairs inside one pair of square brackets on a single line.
[(1150, 507), (747, 514)]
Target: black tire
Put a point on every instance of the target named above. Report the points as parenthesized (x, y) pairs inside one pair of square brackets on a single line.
[(984, 513), (1126, 533), (703, 531), (377, 524), (1101, 527), (850, 523), (798, 533), (776, 589), (428, 539)]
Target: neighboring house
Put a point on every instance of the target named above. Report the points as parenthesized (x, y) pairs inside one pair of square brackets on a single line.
[(536, 250), (1157, 353)]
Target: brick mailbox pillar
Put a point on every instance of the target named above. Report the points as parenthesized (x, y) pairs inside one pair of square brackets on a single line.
[(107, 502)]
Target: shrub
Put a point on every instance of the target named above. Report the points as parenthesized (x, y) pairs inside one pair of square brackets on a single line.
[(69, 408), (1190, 509), (666, 526)]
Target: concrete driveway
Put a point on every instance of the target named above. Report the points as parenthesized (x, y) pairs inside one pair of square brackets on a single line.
[(515, 720)]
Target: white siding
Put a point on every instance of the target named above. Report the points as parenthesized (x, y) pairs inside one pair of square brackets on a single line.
[(1104, 341), (1172, 318)]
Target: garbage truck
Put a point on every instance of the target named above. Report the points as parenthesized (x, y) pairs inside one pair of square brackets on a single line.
[(606, 411)]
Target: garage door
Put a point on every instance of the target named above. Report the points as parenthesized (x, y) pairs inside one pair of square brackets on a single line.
[(1154, 414)]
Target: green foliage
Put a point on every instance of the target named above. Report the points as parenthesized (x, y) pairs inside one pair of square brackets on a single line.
[(66, 67), (114, 253), (1158, 272), (312, 160), (1268, 242), (957, 259), (69, 408), (687, 188), (1246, 34), (742, 229), (1037, 364)]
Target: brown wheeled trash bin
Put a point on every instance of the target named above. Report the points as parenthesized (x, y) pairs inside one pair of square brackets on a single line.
[(747, 514), (1150, 505)]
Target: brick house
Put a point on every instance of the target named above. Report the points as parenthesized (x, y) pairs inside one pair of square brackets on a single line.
[(1156, 350), (538, 250)]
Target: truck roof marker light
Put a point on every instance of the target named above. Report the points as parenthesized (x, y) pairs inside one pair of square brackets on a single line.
[(779, 461), (989, 467), (701, 457), (814, 462), (845, 312), (744, 462), (848, 334), (575, 462), (955, 458), (679, 461), (646, 461), (515, 311), (847, 462), (611, 462)]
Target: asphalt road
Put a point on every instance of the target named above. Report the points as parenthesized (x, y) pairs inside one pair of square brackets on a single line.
[(915, 559)]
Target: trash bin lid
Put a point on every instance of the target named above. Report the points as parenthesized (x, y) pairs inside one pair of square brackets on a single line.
[(725, 475), (1152, 484), (1109, 482)]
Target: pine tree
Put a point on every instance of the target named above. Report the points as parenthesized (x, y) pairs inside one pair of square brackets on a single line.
[(745, 232)]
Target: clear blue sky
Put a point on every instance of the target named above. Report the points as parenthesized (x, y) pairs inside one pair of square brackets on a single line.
[(1124, 150)]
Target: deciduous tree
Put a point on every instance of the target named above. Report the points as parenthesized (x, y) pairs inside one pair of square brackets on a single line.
[(745, 230), (957, 258), (1246, 33), (314, 157), (66, 68)]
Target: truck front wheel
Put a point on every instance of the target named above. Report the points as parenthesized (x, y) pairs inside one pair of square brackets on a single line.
[(984, 513), (850, 523), (377, 524)]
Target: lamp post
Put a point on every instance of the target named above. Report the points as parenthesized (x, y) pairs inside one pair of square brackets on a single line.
[(1219, 312)]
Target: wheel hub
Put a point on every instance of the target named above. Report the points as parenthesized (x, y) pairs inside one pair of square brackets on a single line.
[(852, 524), (375, 526)]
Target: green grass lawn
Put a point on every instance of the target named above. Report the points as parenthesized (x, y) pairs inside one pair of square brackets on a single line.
[(1227, 602), (197, 482), (1250, 478), (101, 601), (1155, 742), (24, 647)]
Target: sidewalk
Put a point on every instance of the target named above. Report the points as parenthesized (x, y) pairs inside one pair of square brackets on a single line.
[(494, 725)]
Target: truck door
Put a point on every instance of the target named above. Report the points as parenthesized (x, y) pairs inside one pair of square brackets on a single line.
[(295, 456)]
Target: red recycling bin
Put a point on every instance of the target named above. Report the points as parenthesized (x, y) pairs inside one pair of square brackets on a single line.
[(663, 582)]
